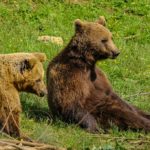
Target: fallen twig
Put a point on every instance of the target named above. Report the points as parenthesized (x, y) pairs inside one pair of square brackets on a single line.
[(130, 37), (24, 145), (138, 94)]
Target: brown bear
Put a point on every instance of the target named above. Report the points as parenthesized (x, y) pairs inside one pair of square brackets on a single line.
[(79, 92), (18, 72)]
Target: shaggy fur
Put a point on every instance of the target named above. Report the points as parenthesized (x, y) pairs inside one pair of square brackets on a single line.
[(79, 92), (18, 72)]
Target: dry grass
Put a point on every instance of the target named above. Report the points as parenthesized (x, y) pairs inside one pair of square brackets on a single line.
[(76, 1)]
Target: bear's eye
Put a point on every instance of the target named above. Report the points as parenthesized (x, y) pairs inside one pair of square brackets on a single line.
[(104, 40), (38, 80)]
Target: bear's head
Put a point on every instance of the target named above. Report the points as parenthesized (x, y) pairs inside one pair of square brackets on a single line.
[(32, 74), (93, 39)]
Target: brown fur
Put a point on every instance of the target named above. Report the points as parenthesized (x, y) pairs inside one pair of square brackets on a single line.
[(18, 72), (79, 92)]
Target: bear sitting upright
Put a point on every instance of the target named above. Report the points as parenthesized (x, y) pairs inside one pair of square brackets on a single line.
[(79, 92), (18, 72)]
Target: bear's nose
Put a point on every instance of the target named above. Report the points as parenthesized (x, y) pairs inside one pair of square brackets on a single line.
[(42, 94), (115, 54)]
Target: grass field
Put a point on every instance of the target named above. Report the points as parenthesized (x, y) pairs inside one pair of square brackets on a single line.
[(22, 21)]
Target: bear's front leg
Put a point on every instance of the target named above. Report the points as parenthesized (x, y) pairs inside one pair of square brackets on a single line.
[(10, 109), (9, 122), (14, 124)]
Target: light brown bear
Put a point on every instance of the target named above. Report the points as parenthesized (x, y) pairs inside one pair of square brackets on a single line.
[(79, 92), (18, 72)]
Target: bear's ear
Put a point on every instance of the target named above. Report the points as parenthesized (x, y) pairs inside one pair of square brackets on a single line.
[(27, 64), (40, 56), (102, 20), (79, 25)]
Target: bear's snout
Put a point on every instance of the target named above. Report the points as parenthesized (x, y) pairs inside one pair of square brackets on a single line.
[(43, 93), (115, 54)]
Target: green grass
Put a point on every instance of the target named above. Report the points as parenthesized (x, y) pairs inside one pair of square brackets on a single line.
[(21, 22)]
